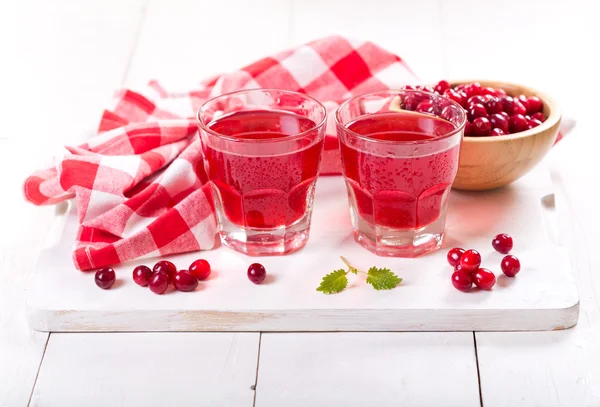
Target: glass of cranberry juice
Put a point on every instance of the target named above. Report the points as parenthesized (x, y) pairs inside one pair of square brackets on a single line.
[(262, 152), (399, 157)]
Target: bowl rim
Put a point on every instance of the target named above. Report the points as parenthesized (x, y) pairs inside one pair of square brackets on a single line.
[(551, 120)]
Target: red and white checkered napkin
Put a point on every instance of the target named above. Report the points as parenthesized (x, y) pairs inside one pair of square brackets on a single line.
[(140, 184)]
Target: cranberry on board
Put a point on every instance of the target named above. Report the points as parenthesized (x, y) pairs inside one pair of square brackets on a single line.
[(105, 278), (454, 255), (200, 269), (510, 265), (481, 127), (470, 260), (505, 115), (142, 275), (159, 282), (488, 91), (502, 243), (534, 105), (184, 281), (462, 280), (484, 279), (518, 123), (539, 116), (499, 121), (257, 273), (497, 132), (473, 89), (165, 266)]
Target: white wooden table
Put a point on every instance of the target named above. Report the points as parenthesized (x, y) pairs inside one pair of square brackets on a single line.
[(63, 59)]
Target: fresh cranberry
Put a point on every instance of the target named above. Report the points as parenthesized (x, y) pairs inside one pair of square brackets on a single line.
[(410, 102), (200, 269), (528, 117), (256, 273), (463, 94), (539, 116), (505, 115), (456, 96), (105, 278), (159, 282), (481, 127), (507, 103), (524, 102), (473, 89), (460, 87), (468, 129), (500, 92), (497, 132), (502, 243), (510, 265), (488, 91), (518, 123), (442, 86), (476, 99), (141, 275), (531, 123), (462, 280), (470, 260), (484, 279), (499, 121), (518, 108), (454, 256), (409, 87), (534, 105), (493, 105), (167, 267), (184, 281), (425, 107), (476, 110)]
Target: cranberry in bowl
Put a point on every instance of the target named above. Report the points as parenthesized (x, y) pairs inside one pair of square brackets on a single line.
[(511, 128)]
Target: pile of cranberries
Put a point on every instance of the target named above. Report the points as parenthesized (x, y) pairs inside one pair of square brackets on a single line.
[(467, 270), (165, 272), (490, 111)]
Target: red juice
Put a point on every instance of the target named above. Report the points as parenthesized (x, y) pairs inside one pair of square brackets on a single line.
[(400, 192), (266, 186)]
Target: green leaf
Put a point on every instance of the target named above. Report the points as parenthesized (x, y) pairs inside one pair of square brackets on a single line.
[(382, 279), (334, 282)]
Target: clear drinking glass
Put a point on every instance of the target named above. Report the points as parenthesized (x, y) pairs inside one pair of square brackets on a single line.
[(262, 152), (399, 156)]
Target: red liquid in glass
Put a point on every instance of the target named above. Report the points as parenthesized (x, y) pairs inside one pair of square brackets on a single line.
[(264, 190), (401, 193)]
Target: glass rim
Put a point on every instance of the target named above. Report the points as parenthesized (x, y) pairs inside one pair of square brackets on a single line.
[(271, 140), (393, 92)]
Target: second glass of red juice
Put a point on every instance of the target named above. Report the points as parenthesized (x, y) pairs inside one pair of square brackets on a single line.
[(262, 152), (400, 156)]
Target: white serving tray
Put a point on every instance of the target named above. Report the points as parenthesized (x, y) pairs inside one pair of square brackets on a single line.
[(543, 296)]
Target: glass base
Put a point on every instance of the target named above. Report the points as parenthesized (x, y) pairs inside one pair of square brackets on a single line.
[(390, 242), (266, 242)]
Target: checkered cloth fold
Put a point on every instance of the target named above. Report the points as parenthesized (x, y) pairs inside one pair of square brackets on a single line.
[(140, 185)]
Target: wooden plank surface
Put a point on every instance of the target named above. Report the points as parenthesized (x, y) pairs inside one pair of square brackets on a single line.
[(216, 369), (367, 369)]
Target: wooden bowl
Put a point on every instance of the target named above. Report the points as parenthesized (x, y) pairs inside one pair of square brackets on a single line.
[(491, 162)]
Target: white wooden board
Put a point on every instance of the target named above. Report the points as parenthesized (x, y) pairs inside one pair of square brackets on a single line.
[(158, 369), (542, 297), (410, 369)]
